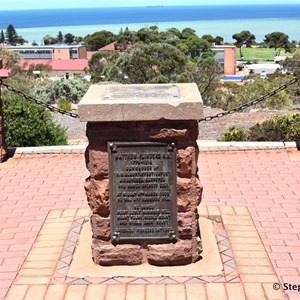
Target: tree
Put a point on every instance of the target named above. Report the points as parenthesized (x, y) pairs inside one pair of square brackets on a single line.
[(186, 32), (28, 124), (125, 38), (69, 38), (9, 59), (245, 37), (196, 46), (208, 37), (60, 37), (11, 35), (97, 64), (218, 40), (149, 35), (157, 62), (49, 40), (98, 40), (2, 37), (206, 74), (279, 41)]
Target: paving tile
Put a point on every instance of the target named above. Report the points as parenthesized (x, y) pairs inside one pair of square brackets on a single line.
[(17, 292), (95, 292), (216, 291), (32, 280), (36, 292), (175, 291), (195, 291), (114, 292), (271, 293), (135, 292), (56, 292), (75, 292), (155, 292), (235, 291), (254, 291), (35, 272)]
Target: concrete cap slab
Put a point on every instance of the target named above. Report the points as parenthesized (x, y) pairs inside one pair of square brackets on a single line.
[(141, 102)]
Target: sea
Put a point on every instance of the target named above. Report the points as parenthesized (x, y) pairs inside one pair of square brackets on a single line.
[(222, 20)]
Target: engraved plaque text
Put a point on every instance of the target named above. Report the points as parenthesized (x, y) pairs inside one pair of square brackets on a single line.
[(143, 191)]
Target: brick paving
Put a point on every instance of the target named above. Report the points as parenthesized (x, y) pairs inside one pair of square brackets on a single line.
[(264, 182)]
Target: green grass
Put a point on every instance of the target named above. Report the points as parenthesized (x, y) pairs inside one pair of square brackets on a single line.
[(258, 54)]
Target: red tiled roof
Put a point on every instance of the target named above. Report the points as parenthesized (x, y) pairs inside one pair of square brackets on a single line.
[(58, 64), (4, 72), (109, 47), (89, 54)]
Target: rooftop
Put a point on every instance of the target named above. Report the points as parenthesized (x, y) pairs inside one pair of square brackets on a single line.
[(58, 64), (55, 46), (254, 186)]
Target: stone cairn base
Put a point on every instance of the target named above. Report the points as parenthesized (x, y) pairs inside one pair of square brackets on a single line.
[(189, 192)]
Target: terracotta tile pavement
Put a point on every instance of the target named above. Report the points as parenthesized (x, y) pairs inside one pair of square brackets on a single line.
[(267, 183)]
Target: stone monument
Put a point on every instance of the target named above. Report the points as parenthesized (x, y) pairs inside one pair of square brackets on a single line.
[(143, 187)]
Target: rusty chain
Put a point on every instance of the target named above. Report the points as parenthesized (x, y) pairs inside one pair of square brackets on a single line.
[(250, 103), (38, 102), (208, 118)]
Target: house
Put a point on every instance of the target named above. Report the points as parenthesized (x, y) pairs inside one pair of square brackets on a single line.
[(60, 67), (50, 51), (225, 55), (263, 68)]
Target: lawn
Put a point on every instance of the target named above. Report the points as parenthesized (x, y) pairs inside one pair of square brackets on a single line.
[(258, 54)]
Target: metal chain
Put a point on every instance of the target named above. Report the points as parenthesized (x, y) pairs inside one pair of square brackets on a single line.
[(38, 102), (208, 118), (250, 103)]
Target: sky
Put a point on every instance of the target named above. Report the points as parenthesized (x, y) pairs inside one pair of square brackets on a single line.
[(40, 4)]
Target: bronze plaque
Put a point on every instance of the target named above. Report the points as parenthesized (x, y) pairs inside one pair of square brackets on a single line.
[(143, 191)]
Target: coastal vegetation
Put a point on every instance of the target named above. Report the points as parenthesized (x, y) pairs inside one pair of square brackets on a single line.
[(149, 55), (278, 128), (28, 124)]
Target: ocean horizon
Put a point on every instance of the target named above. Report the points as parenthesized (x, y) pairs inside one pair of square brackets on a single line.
[(222, 20)]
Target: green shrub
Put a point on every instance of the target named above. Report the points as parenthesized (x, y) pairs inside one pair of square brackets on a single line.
[(70, 89), (278, 128), (64, 105), (240, 67), (234, 133), (28, 124)]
